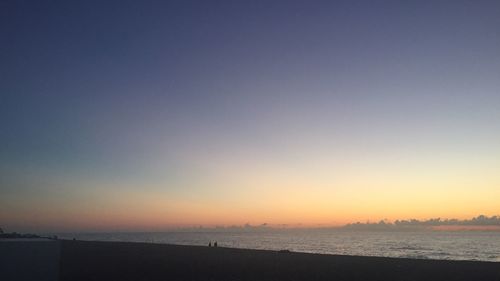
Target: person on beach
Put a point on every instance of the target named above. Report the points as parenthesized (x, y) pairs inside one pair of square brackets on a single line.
[(210, 244), (215, 244)]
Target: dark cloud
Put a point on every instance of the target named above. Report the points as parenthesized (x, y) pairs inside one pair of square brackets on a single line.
[(414, 223)]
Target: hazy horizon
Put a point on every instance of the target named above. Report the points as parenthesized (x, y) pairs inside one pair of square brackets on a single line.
[(154, 114), (478, 223)]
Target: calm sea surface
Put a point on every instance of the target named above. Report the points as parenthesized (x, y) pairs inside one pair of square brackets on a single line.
[(463, 245)]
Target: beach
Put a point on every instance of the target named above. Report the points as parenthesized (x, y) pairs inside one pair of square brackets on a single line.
[(86, 260), (29, 259)]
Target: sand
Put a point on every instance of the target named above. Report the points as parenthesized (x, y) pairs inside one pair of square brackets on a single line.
[(144, 261), (29, 259)]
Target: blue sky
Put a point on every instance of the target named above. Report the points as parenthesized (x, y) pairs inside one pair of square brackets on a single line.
[(184, 98)]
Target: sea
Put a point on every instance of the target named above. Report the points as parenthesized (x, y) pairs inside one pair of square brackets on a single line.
[(440, 245)]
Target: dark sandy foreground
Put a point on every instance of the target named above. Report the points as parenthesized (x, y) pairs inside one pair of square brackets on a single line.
[(142, 261), (29, 259)]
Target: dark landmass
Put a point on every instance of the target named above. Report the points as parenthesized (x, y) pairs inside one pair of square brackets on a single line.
[(122, 261), (15, 235)]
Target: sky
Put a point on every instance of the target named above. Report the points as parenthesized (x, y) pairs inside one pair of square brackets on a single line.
[(147, 115)]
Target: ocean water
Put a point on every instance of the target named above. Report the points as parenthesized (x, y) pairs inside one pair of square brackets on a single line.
[(455, 245)]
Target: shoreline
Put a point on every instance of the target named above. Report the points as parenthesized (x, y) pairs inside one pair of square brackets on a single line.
[(96, 260), (274, 250)]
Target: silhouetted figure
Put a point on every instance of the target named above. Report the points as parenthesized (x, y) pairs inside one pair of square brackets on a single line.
[(215, 244), (210, 244)]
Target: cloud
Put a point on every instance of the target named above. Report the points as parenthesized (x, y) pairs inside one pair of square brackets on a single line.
[(414, 223)]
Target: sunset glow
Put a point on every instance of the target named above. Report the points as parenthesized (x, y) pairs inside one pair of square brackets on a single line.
[(311, 115)]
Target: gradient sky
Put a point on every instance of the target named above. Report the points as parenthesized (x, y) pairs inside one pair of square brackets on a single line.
[(144, 115)]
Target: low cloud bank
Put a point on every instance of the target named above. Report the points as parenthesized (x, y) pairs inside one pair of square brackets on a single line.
[(479, 221)]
